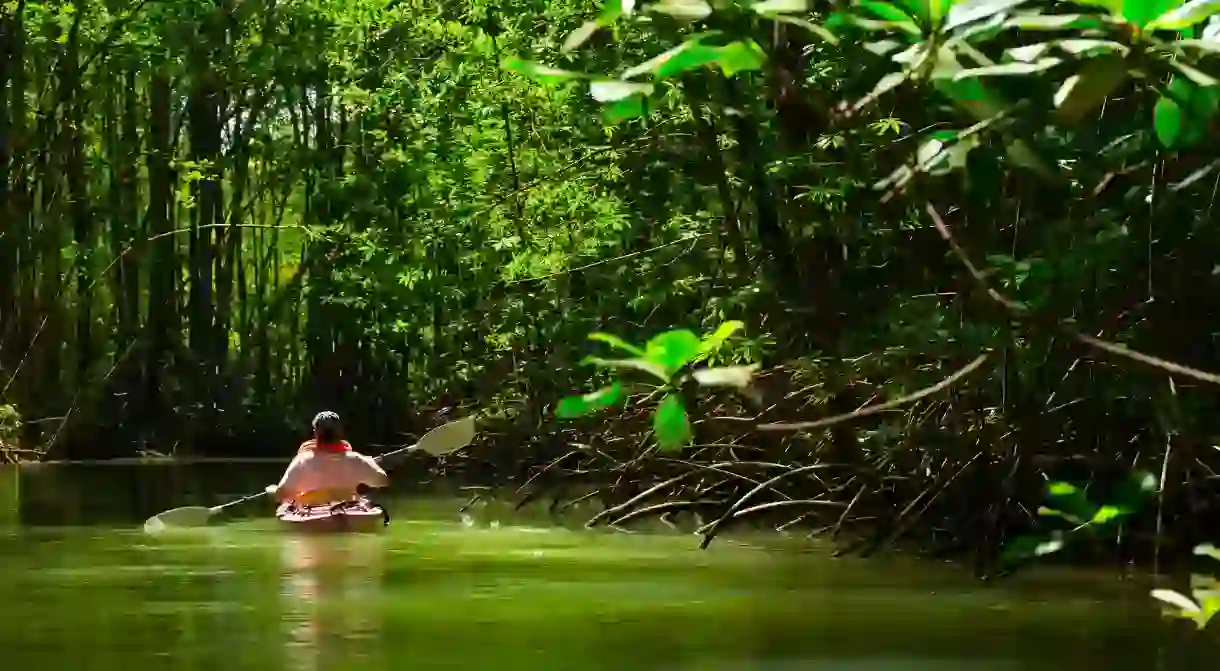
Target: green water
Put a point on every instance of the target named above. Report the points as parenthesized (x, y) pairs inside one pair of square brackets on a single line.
[(434, 593)]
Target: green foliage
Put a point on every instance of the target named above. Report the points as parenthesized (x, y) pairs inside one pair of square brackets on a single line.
[(10, 425), (665, 358), (1071, 504), (1204, 600)]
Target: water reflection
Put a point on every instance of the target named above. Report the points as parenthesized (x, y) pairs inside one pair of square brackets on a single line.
[(329, 586)]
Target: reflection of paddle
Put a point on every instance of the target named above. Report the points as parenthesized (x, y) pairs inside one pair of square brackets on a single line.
[(439, 441)]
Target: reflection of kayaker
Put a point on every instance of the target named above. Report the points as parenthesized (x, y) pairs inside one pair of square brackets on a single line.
[(322, 488)]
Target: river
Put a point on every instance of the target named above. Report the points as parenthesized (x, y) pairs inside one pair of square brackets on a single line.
[(437, 591)]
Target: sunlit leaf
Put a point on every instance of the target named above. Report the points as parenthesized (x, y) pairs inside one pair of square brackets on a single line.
[(617, 343), (1107, 514), (726, 376), (892, 15), (685, 56), (627, 108), (977, 10), (613, 9), (579, 36), (609, 90), (637, 364), (716, 339), (538, 72), (1207, 550), (688, 10), (1082, 93), (1177, 600), (1060, 488), (767, 7), (673, 349), (577, 406), (1030, 52), (1115, 7), (1090, 47), (1044, 511), (933, 11), (1052, 21), (822, 33), (1009, 69), (741, 56), (670, 424), (883, 47), (1142, 12), (1192, 73)]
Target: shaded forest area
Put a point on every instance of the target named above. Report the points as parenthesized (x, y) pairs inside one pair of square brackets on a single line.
[(221, 216)]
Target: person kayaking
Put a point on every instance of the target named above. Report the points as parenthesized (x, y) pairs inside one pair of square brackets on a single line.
[(326, 470)]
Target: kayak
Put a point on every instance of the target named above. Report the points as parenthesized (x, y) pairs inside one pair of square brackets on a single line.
[(356, 516)]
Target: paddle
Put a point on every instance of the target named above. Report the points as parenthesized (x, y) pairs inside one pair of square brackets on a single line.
[(440, 441)]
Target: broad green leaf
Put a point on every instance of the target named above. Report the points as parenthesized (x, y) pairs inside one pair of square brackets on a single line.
[(1030, 52), (1180, 127), (1107, 514), (670, 424), (1210, 46), (770, 7), (613, 9), (933, 11), (610, 90), (617, 343), (1088, 48), (686, 56), (1082, 93), (1185, 15), (716, 339), (1053, 22), (672, 350), (1062, 489), (1177, 600), (982, 104), (977, 10), (577, 406), (1071, 500), (1194, 74), (1043, 511), (638, 364), (1115, 7), (579, 36), (688, 10), (1047, 547), (887, 82), (814, 28), (538, 72), (893, 15), (627, 108), (1142, 12), (1008, 69), (726, 376), (883, 47), (741, 56), (1207, 550)]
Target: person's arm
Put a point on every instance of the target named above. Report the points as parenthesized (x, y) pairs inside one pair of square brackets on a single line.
[(285, 488), (371, 473)]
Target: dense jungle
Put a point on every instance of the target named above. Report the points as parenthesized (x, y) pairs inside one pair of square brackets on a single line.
[(946, 252)]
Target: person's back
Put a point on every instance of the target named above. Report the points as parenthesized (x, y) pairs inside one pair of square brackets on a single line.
[(326, 468)]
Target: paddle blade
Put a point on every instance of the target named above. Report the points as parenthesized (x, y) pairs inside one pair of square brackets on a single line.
[(448, 438), (189, 516)]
